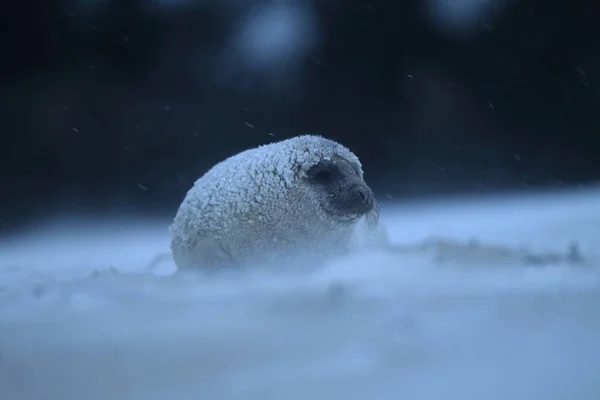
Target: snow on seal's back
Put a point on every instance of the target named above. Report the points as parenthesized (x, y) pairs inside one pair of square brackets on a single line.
[(299, 199)]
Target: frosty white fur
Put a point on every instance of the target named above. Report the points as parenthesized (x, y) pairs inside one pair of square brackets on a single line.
[(254, 207)]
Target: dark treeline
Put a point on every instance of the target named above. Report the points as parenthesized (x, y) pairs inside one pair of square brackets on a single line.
[(122, 105)]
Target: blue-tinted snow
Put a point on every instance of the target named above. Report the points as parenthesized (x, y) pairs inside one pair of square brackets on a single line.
[(379, 326)]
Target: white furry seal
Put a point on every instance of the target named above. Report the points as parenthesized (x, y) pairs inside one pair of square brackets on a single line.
[(299, 198)]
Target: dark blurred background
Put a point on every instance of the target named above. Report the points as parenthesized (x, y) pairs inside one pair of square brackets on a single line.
[(119, 106)]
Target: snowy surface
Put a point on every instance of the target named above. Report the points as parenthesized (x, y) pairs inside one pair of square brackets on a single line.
[(377, 326)]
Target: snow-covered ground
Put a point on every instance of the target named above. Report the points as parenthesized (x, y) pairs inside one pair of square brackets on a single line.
[(377, 326)]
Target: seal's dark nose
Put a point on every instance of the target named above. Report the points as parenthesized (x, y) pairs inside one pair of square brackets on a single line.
[(362, 194), (362, 199)]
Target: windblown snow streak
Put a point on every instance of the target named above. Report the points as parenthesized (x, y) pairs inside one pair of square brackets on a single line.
[(377, 326)]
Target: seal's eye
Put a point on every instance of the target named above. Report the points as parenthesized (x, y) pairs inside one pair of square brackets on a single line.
[(321, 173)]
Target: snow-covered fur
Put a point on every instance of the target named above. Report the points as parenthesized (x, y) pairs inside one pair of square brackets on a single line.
[(261, 206)]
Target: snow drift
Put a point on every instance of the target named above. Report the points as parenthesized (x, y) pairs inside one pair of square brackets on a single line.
[(80, 319)]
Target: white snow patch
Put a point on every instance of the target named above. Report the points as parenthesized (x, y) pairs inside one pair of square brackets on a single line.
[(376, 326)]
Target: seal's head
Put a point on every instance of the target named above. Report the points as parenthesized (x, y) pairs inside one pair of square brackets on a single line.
[(339, 189)]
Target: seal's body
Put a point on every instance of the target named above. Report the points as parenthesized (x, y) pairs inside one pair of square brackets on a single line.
[(298, 199)]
